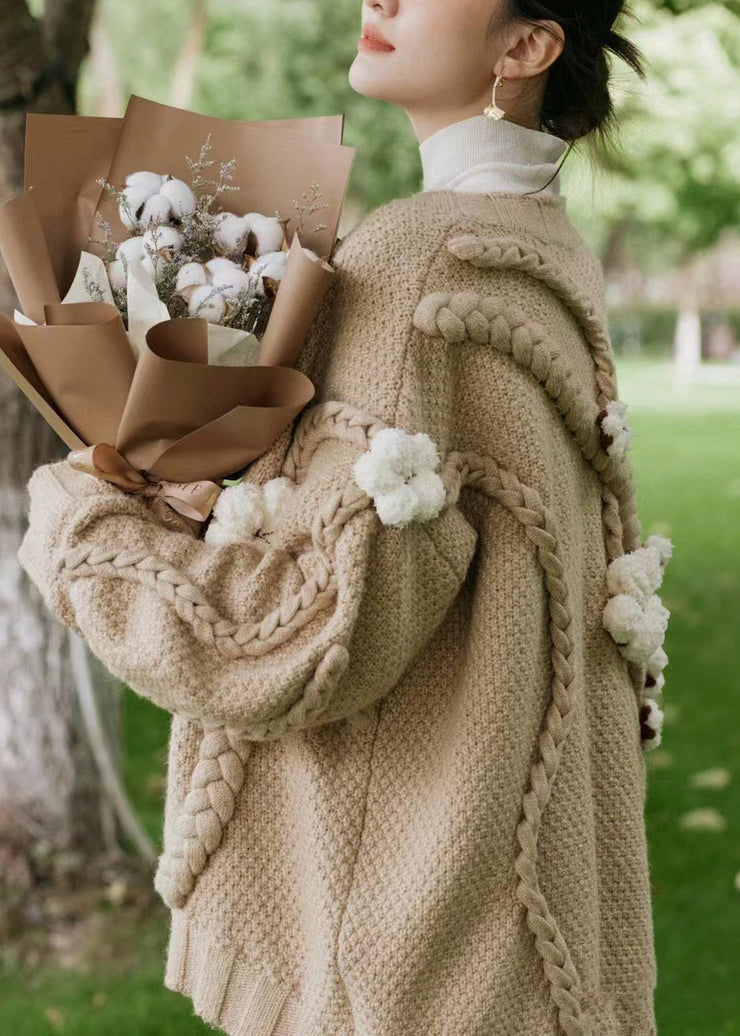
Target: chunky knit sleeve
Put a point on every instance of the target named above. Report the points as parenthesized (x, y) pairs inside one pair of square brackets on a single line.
[(307, 632)]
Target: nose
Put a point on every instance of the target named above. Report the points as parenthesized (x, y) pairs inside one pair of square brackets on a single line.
[(387, 7)]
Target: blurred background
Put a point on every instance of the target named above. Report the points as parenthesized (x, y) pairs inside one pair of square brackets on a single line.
[(82, 759)]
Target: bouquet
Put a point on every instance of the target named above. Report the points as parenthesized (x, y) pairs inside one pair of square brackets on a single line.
[(166, 365)]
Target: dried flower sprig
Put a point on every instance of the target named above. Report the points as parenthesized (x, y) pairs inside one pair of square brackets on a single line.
[(310, 207)]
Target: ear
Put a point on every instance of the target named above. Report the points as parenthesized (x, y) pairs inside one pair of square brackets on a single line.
[(535, 49)]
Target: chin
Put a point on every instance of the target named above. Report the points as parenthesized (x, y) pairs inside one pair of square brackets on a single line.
[(367, 80)]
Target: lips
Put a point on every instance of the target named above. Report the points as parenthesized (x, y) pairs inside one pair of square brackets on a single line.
[(374, 38)]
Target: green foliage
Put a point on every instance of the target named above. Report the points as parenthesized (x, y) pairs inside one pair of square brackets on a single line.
[(674, 187)]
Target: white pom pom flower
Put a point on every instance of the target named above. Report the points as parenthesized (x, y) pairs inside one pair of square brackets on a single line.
[(246, 513), (634, 614), (637, 630), (399, 473), (651, 724), (662, 545), (654, 666), (640, 571), (615, 424), (237, 515)]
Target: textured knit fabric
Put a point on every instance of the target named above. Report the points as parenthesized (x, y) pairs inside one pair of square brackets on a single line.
[(480, 154), (406, 781)]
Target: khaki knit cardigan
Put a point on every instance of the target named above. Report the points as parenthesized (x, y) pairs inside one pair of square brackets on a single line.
[(406, 778)]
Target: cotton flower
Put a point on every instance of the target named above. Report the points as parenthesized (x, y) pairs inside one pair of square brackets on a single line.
[(398, 472), (132, 248), (149, 183), (246, 513), (638, 630), (231, 279), (231, 231), (271, 264), (268, 230), (614, 423), (150, 198), (207, 303), (161, 239), (155, 210), (117, 274), (160, 243), (651, 723), (191, 275), (197, 282), (182, 200)]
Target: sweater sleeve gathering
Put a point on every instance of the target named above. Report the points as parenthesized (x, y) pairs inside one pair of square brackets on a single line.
[(262, 642)]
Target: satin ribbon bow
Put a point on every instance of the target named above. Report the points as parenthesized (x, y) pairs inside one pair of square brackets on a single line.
[(191, 500)]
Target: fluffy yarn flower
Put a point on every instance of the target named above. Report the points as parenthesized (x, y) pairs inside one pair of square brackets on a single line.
[(616, 429), (637, 629), (651, 723), (654, 666), (640, 572), (398, 472), (247, 513)]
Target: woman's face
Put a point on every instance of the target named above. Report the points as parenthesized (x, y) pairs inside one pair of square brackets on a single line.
[(442, 61)]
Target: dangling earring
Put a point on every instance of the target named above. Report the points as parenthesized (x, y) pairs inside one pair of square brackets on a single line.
[(493, 111)]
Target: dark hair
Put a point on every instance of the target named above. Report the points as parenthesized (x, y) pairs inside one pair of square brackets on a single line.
[(577, 102)]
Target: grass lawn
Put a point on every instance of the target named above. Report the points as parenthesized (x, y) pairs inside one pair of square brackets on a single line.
[(686, 452)]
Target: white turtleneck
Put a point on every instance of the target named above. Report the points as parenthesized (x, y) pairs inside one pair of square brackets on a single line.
[(479, 155)]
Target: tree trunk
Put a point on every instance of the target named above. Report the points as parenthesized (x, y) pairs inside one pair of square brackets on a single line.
[(50, 790)]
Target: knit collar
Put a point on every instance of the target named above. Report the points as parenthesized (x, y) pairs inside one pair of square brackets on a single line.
[(480, 154)]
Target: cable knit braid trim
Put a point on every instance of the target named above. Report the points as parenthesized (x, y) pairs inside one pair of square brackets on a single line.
[(487, 319), (208, 806), (540, 527), (218, 778), (490, 253)]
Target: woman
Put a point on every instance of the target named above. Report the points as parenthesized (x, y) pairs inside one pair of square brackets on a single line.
[(406, 772)]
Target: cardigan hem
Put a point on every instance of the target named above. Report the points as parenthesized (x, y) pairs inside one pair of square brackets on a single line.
[(225, 989)]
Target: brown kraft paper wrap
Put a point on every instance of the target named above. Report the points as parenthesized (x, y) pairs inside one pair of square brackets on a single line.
[(170, 419)]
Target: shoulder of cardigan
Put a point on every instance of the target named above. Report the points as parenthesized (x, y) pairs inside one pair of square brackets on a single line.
[(544, 217)]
